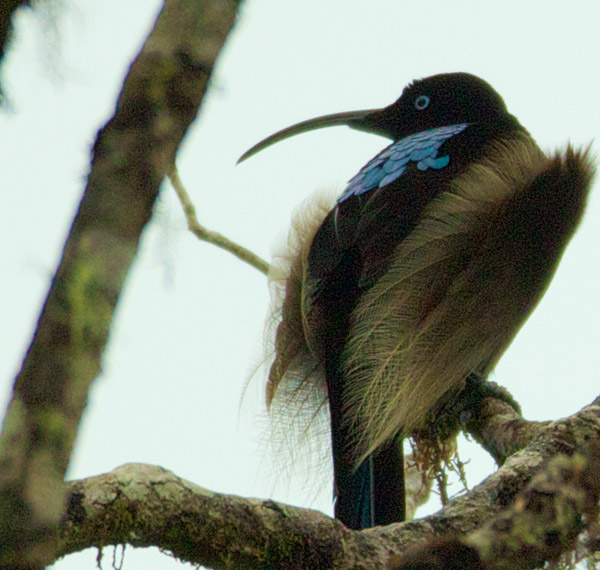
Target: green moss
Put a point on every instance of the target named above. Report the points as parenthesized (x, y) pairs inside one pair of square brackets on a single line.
[(14, 424), (91, 312)]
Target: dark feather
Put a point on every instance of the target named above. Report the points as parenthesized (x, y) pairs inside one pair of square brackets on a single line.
[(419, 276)]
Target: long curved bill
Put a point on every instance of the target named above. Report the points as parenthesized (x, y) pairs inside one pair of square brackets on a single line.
[(353, 119)]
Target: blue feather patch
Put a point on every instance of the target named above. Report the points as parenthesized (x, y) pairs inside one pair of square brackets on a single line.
[(391, 162)]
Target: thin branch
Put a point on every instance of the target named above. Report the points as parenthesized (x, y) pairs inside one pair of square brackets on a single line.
[(209, 236), (159, 100)]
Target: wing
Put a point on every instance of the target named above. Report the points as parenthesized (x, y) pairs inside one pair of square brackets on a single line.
[(326, 245), (461, 285)]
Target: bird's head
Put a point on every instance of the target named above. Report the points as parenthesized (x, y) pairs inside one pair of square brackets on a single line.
[(432, 102)]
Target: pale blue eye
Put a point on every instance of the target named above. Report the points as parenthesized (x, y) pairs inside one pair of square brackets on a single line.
[(421, 102)]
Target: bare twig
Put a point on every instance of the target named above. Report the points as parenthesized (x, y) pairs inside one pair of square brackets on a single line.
[(209, 236)]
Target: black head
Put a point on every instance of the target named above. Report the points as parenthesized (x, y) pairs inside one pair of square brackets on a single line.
[(444, 99), (435, 101)]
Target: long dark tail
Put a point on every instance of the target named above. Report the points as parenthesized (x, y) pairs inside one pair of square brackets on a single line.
[(373, 493)]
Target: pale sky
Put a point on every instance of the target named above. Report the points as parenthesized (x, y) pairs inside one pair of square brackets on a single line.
[(189, 325)]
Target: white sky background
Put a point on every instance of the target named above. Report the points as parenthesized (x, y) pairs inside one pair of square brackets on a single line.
[(189, 324)]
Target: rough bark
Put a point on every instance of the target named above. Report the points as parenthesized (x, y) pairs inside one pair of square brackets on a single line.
[(527, 512), (501, 430), (133, 152)]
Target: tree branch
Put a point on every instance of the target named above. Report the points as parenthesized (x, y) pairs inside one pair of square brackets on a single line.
[(501, 430), (133, 153), (543, 522), (205, 234), (144, 505)]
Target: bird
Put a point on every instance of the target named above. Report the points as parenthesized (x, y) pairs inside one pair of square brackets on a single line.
[(419, 275)]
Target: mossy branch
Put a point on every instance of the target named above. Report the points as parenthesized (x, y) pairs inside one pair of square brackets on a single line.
[(149, 506), (132, 155)]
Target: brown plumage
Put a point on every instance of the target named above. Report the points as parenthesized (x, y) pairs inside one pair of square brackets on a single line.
[(460, 286), (415, 334), (420, 276), (296, 373)]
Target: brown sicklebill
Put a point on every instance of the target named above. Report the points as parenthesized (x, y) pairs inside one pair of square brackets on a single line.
[(420, 276)]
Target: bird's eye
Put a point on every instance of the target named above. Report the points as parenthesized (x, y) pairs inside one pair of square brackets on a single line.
[(421, 102)]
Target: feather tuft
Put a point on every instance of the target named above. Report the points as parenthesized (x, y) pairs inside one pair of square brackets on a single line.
[(460, 287), (296, 393)]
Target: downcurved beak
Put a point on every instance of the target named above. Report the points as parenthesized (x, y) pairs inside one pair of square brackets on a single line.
[(366, 120)]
